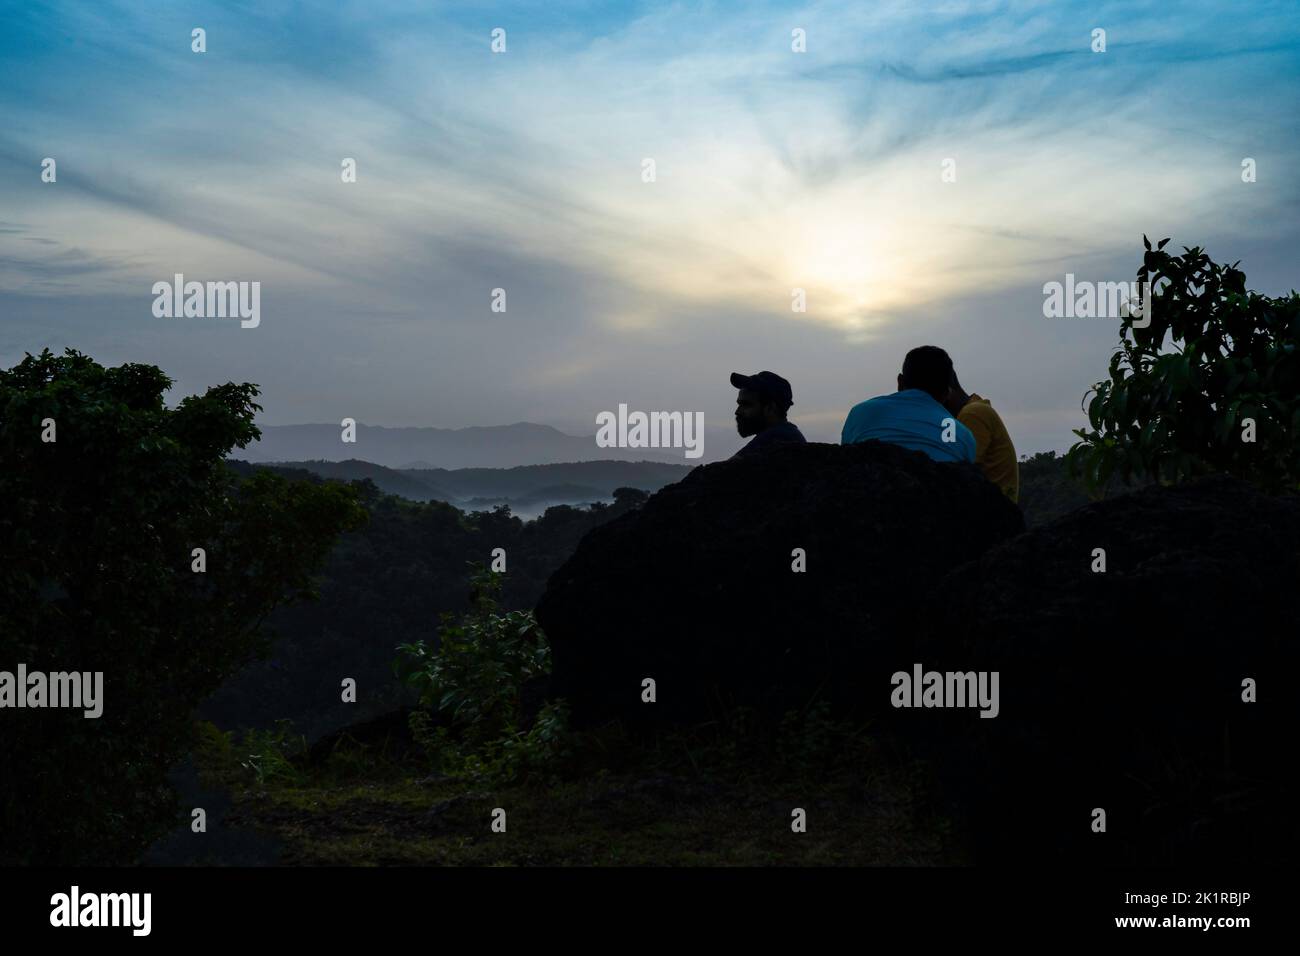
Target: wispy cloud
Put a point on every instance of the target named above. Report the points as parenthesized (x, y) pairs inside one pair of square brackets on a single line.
[(775, 170)]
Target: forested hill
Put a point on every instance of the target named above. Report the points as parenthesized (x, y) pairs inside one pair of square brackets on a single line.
[(387, 583), (480, 488)]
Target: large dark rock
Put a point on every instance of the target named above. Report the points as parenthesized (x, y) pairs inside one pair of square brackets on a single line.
[(1122, 690), (695, 589)]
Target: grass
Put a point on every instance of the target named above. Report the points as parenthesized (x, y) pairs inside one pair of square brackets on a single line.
[(717, 795)]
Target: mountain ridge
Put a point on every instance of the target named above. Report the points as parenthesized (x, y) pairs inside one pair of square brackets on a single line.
[(473, 488), (475, 446)]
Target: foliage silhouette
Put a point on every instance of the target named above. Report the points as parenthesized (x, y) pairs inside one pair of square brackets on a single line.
[(476, 678), (1181, 389), (97, 530)]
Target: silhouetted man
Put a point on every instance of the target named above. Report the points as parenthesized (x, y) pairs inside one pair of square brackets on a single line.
[(994, 453), (914, 416), (761, 407)]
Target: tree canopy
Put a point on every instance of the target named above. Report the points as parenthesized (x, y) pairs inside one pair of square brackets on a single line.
[(105, 495)]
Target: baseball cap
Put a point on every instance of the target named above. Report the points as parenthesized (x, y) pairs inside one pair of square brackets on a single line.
[(765, 383)]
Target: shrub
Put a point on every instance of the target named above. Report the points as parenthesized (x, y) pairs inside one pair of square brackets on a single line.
[(474, 679), (1181, 390), (263, 758)]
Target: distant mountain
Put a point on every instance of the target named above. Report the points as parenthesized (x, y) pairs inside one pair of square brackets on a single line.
[(495, 446), (480, 488), (387, 479)]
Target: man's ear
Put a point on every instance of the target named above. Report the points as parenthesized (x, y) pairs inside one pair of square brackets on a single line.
[(900, 382)]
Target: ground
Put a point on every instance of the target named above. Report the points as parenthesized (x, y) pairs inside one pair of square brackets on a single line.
[(700, 798)]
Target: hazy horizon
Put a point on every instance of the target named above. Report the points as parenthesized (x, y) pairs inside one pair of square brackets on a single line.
[(720, 443)]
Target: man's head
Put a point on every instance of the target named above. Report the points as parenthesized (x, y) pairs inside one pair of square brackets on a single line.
[(763, 400), (928, 368), (957, 396)]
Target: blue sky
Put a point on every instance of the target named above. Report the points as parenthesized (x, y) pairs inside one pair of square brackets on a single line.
[(523, 170)]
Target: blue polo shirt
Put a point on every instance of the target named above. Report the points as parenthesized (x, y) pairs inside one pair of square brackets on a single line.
[(912, 419)]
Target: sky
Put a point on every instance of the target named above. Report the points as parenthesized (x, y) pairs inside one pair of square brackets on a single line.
[(919, 170)]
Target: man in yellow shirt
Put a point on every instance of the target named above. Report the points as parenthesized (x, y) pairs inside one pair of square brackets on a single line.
[(994, 453)]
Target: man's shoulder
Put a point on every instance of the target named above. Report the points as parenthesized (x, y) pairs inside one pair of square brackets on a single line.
[(875, 404), (782, 432), (981, 413), (978, 409), (791, 432)]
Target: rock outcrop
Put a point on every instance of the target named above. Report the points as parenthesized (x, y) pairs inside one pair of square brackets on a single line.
[(1122, 690), (696, 589), (1125, 690)]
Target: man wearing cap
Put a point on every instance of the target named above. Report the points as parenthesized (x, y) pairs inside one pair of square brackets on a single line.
[(764, 399)]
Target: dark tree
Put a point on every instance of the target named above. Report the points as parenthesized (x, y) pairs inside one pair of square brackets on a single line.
[(98, 528)]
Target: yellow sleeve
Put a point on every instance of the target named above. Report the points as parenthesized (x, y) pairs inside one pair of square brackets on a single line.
[(973, 417)]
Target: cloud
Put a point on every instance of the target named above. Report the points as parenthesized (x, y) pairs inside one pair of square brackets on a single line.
[(775, 170)]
